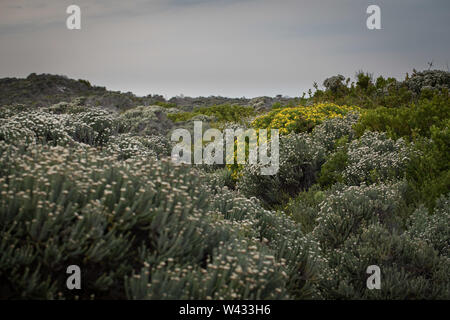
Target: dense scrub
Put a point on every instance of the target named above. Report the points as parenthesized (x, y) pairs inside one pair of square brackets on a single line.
[(363, 180)]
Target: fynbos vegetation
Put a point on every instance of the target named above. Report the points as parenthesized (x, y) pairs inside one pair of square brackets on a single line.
[(364, 179)]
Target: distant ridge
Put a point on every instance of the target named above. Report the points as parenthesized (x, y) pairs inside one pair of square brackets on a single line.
[(43, 90), (47, 89)]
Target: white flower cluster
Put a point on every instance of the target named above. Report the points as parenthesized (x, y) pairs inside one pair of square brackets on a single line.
[(35, 126), (300, 159), (375, 157), (128, 146), (433, 228), (92, 126), (333, 129), (346, 209)]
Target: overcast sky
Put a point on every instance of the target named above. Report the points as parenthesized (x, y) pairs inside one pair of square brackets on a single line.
[(220, 47)]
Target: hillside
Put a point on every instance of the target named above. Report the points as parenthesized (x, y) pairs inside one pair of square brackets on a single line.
[(46, 89)]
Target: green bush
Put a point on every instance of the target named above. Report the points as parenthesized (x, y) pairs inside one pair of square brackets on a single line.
[(304, 208), (429, 170), (331, 171), (408, 122)]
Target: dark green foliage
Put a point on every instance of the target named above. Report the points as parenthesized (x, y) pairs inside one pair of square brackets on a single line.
[(305, 207), (384, 92), (408, 122), (429, 171), (334, 83), (331, 171), (165, 104), (44, 90)]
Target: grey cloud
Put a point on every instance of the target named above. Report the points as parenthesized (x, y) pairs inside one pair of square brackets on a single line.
[(235, 48)]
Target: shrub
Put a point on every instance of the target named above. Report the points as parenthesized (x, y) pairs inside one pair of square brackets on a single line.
[(300, 119), (330, 132), (61, 125), (127, 146), (429, 169), (35, 126), (407, 122), (428, 79), (374, 158), (334, 83), (304, 208), (332, 169), (94, 127), (300, 158), (410, 268), (346, 210), (433, 228), (145, 121), (75, 106)]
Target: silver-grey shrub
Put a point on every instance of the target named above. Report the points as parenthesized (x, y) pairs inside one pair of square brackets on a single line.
[(375, 157), (300, 160)]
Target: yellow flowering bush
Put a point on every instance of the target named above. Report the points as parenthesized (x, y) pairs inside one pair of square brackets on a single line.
[(301, 118)]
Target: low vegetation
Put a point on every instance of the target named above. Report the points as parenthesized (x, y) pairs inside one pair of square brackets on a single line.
[(364, 179)]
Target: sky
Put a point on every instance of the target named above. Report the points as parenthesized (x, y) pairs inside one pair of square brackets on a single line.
[(232, 48)]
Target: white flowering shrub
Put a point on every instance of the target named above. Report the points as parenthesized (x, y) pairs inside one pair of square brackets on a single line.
[(145, 120), (151, 223), (279, 233), (374, 157), (12, 132), (433, 228), (331, 130), (143, 147), (300, 160), (93, 127), (347, 209), (410, 268), (35, 126), (359, 226)]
